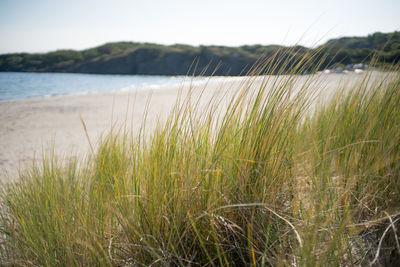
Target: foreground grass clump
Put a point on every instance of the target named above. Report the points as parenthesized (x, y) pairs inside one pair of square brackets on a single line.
[(272, 179)]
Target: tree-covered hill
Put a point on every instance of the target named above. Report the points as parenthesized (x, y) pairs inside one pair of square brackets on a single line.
[(154, 59), (350, 50)]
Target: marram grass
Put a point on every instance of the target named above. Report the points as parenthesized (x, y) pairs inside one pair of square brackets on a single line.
[(272, 179)]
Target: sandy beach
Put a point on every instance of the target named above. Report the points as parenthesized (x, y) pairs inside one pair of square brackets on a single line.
[(29, 127)]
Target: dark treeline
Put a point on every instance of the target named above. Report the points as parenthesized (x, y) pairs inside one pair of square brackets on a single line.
[(153, 59)]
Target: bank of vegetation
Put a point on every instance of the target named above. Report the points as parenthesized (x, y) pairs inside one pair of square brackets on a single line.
[(153, 59)]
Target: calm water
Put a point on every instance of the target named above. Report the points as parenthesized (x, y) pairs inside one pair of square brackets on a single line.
[(17, 86)]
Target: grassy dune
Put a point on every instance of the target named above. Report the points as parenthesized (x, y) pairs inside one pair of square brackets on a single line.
[(275, 179)]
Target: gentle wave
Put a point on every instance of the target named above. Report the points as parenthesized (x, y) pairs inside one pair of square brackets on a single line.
[(19, 86)]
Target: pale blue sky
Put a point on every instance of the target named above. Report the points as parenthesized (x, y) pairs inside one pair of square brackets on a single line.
[(46, 25)]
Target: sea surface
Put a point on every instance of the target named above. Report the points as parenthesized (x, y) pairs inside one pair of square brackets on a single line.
[(19, 86)]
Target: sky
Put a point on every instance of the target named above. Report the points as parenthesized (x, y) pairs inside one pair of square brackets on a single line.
[(48, 25)]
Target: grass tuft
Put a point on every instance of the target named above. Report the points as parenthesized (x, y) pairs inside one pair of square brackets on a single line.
[(272, 177)]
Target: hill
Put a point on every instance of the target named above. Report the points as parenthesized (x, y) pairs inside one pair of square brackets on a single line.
[(351, 50), (154, 59)]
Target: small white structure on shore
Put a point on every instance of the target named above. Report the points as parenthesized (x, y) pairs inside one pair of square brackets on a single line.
[(358, 71), (327, 71)]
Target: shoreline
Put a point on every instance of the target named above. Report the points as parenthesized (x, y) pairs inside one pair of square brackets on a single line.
[(189, 81)]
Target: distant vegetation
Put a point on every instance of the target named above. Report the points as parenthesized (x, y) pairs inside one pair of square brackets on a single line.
[(153, 59)]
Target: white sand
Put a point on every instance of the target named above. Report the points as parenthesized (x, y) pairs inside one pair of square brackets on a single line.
[(28, 126)]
